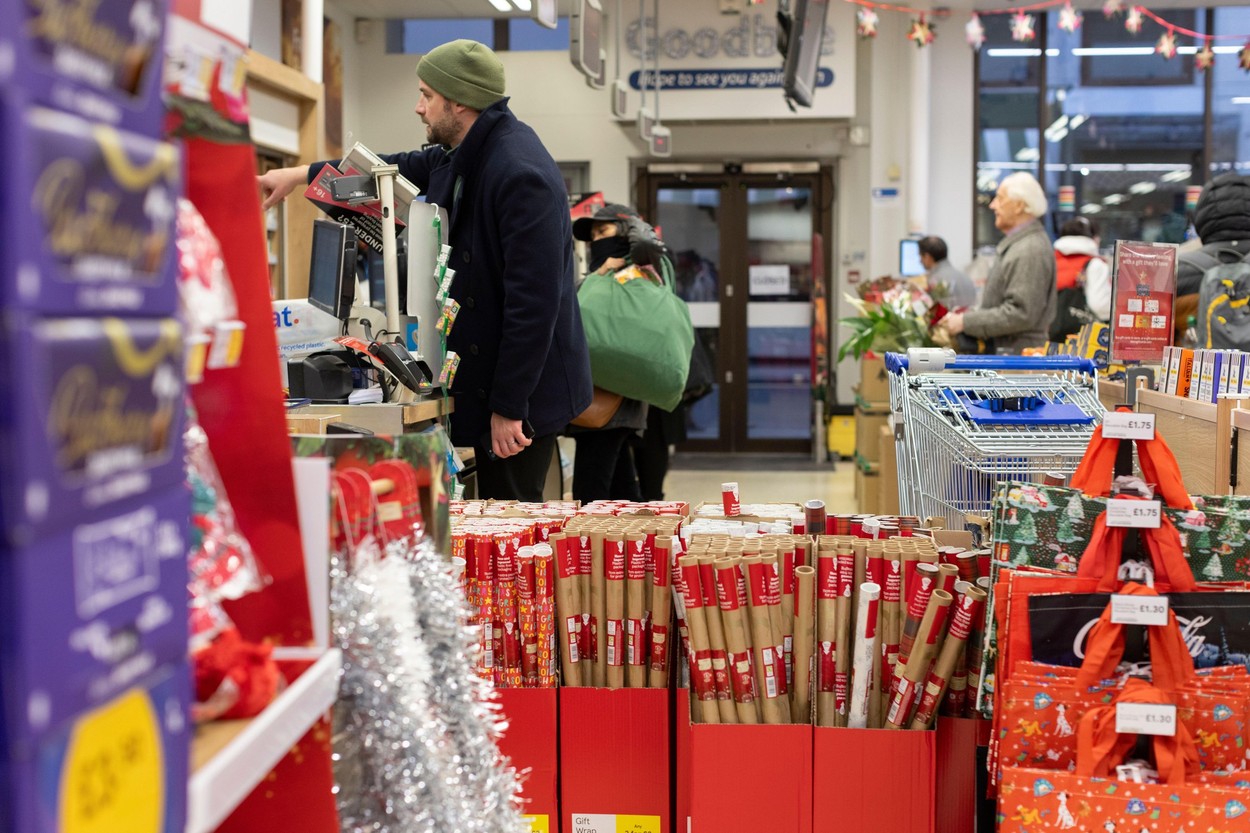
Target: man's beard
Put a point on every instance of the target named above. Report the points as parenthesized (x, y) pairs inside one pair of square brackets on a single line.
[(440, 132)]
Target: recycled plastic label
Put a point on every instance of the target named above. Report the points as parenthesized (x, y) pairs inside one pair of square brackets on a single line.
[(610, 823), (113, 778)]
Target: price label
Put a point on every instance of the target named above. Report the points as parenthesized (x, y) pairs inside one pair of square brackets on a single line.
[(539, 823), (1139, 610), (612, 823), (1145, 719), (1123, 425), (113, 776), (1137, 514)]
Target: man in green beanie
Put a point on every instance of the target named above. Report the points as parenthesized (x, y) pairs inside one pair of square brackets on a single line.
[(524, 368)]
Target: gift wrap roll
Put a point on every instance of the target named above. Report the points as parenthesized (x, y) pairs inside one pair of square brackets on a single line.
[(826, 636), (568, 607), (804, 643), (614, 573), (842, 660), (702, 682), (598, 608), (929, 637), (661, 614), (966, 609), (716, 638), (734, 619), (924, 583), (768, 666), (635, 610), (865, 662)]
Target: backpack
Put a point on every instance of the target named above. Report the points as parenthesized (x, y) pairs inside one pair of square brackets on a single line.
[(1071, 310), (1224, 300)]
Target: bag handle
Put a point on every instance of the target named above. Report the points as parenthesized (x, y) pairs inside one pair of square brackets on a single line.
[(1100, 749), (1171, 665), (1101, 558), (1158, 466)]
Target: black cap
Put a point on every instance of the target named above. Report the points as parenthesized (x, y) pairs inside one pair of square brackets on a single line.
[(611, 213)]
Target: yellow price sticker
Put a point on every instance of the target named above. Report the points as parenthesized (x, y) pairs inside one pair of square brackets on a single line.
[(539, 824), (637, 824), (113, 778)]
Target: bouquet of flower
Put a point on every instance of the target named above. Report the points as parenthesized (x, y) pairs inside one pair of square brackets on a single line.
[(892, 317)]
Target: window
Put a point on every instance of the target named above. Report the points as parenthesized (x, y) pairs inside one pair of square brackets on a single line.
[(419, 35), (524, 35), (1120, 133)]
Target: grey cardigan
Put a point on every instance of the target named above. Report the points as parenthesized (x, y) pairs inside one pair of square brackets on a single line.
[(1019, 298)]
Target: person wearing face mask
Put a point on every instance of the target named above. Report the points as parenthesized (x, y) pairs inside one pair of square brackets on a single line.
[(603, 466)]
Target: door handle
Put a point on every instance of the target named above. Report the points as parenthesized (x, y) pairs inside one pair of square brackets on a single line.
[(729, 377)]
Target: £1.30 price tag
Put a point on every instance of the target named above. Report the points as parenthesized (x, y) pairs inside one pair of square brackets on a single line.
[(1145, 719), (1125, 425), (1139, 610), (1138, 514)]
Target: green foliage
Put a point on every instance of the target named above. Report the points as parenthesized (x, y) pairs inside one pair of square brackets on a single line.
[(885, 328)]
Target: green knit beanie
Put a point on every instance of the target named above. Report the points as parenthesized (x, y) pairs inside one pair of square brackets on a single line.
[(464, 71)]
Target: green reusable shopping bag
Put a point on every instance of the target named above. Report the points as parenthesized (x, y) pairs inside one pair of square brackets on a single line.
[(640, 337)]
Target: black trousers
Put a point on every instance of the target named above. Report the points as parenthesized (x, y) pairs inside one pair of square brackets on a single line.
[(519, 477), (603, 468), (651, 456)]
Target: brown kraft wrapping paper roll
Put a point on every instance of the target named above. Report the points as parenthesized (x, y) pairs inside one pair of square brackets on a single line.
[(614, 572), (932, 627), (787, 561), (767, 665), (716, 638), (948, 574), (734, 618), (826, 636), (804, 643), (772, 575), (569, 608), (842, 659), (661, 614), (964, 612), (892, 622), (635, 610), (876, 575), (702, 684), (598, 608), (924, 585)]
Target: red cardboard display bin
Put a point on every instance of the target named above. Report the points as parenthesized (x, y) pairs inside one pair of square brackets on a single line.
[(743, 779), (875, 780), (615, 760), (530, 743), (956, 787)]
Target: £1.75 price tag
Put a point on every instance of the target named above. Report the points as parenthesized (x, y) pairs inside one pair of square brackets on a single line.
[(1125, 425), (1138, 514), (1139, 610), (1145, 719)]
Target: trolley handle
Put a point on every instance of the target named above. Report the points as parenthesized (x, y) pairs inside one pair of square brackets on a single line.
[(929, 359)]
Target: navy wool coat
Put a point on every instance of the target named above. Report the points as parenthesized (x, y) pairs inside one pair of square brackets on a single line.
[(519, 331)]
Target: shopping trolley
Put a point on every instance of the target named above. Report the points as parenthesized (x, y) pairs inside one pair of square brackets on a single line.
[(961, 426)]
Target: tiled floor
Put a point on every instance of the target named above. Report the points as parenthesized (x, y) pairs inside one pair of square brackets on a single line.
[(786, 480)]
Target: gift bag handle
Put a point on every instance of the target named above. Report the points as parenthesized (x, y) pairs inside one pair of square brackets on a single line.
[(1101, 559), (1159, 468), (1100, 749), (1171, 665)]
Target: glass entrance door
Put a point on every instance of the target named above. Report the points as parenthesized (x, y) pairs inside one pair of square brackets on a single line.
[(742, 251)]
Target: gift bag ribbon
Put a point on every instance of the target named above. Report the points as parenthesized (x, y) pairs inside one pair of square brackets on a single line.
[(1171, 665), (1100, 749)]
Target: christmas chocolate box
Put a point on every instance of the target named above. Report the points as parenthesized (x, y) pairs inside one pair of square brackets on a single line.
[(91, 211), (101, 59), (122, 766), (93, 420), (90, 612)]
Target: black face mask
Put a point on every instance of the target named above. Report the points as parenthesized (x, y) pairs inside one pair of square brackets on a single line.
[(606, 247)]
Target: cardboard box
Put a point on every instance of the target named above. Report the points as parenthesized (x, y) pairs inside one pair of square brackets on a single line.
[(874, 381), (868, 426), (94, 209), (103, 60), (94, 422), (90, 612), (714, 510), (121, 766), (888, 479), (745, 779), (867, 490), (681, 760), (615, 760), (530, 743), (956, 787), (874, 780)]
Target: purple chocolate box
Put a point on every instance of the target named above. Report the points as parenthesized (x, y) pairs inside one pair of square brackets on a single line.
[(142, 739), (94, 422), (91, 612), (91, 211), (102, 59)]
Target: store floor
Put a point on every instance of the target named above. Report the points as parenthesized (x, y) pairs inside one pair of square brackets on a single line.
[(762, 478)]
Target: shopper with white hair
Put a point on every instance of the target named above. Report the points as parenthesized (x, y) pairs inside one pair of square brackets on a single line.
[(1018, 302)]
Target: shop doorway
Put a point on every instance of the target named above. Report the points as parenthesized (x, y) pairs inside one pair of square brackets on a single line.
[(743, 239)]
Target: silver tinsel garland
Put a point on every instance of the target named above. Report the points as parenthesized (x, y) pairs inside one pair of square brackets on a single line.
[(415, 728)]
